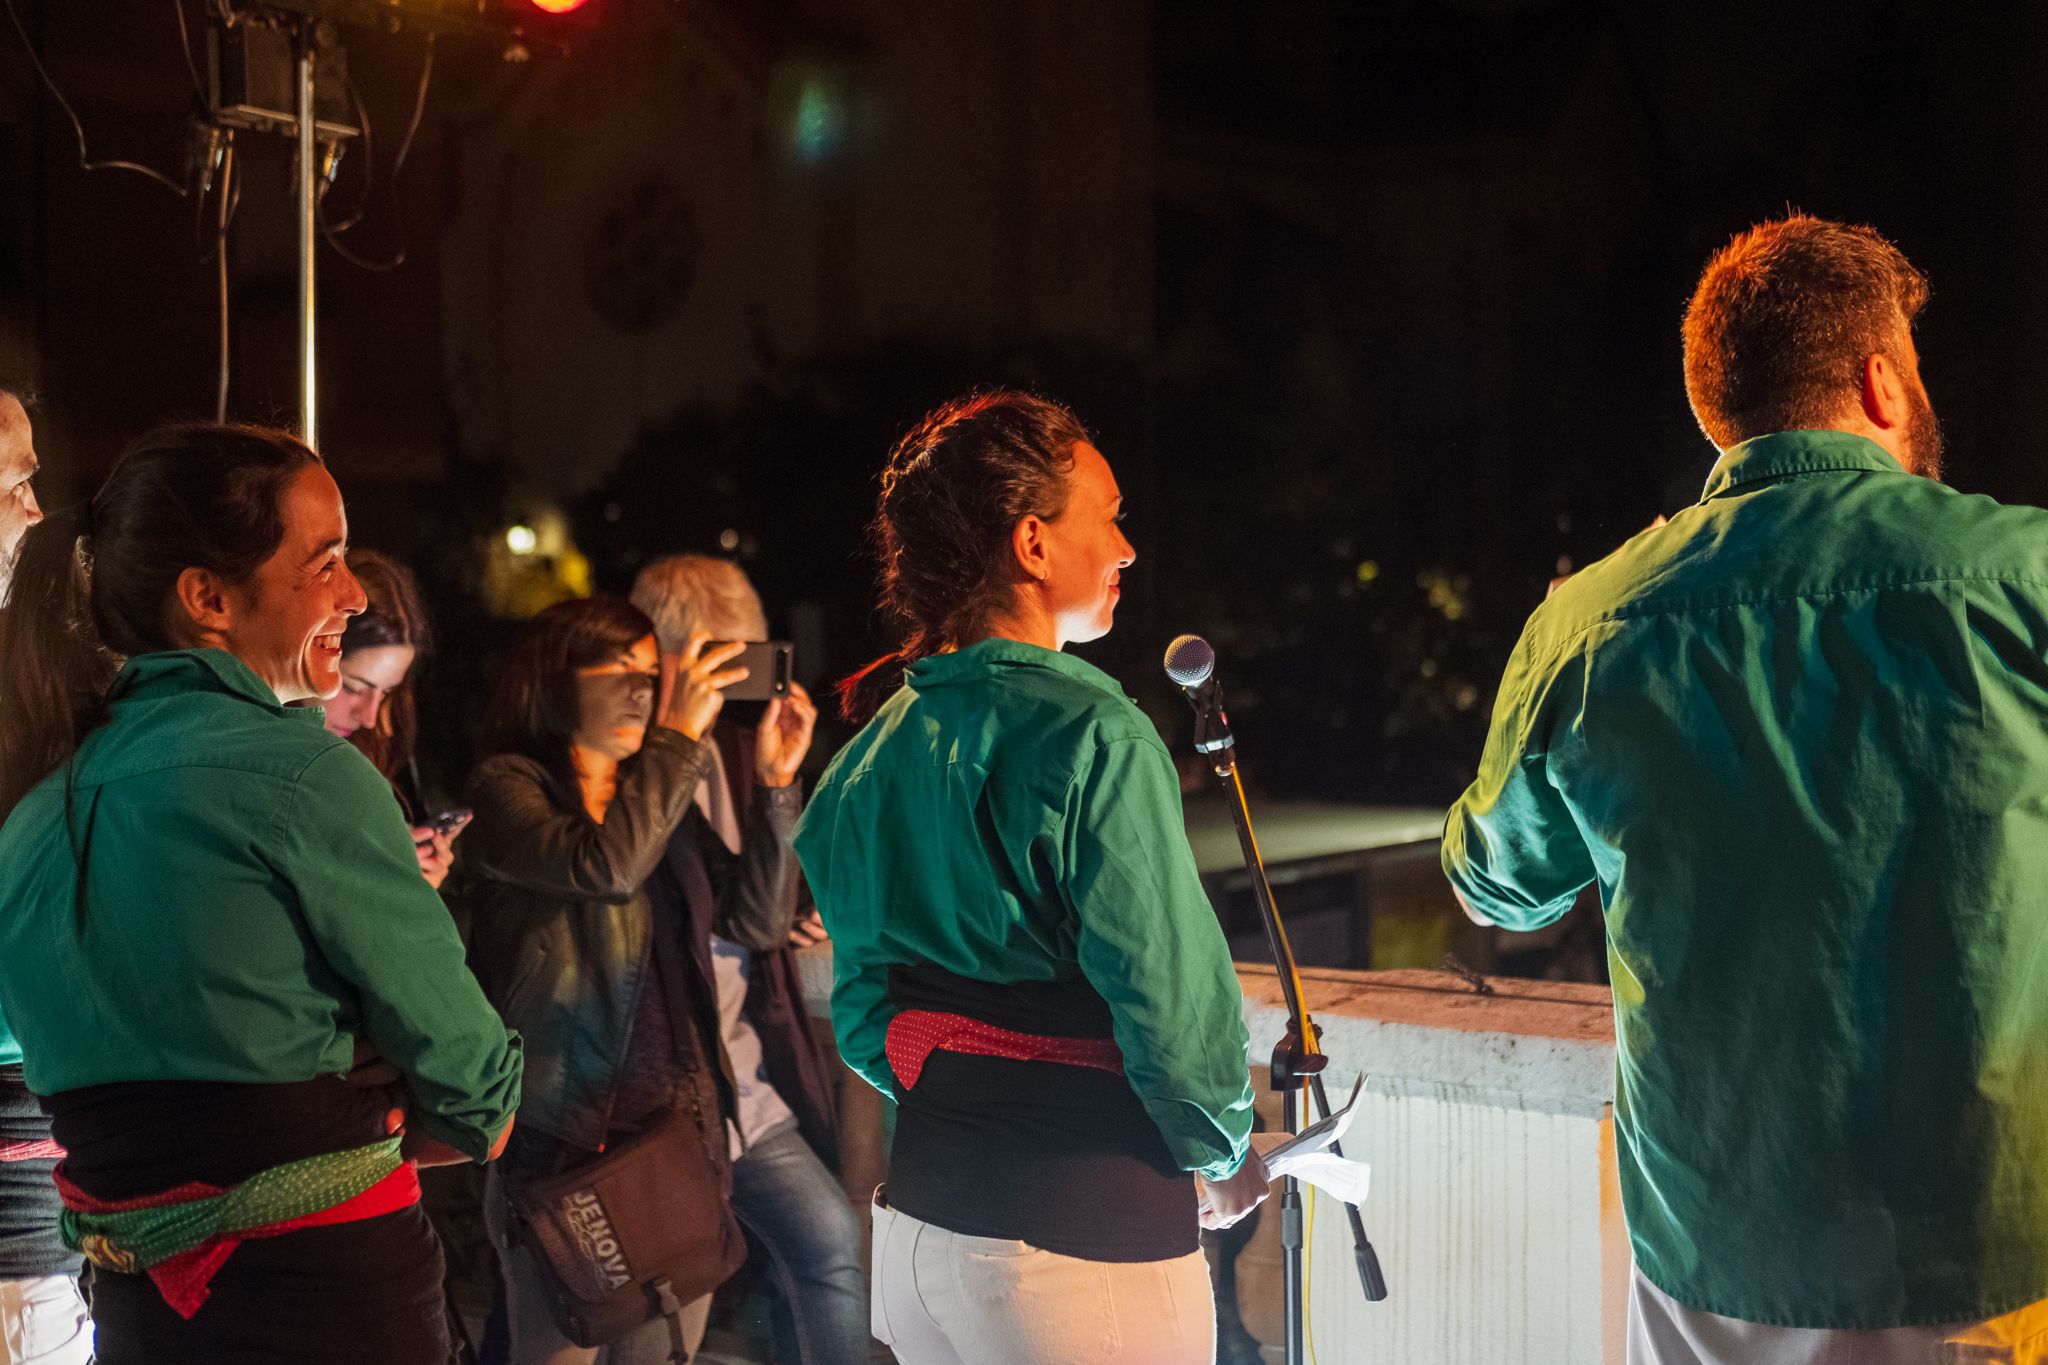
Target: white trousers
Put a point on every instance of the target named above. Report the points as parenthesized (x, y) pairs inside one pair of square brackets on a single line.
[(1662, 1331), (43, 1322), (944, 1298)]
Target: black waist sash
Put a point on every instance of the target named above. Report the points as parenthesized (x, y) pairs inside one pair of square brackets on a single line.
[(1060, 1157)]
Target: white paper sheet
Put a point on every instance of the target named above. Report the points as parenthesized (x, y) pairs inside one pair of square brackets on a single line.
[(1306, 1157), (1334, 1175)]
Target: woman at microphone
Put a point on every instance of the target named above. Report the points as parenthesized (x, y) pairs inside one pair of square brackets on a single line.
[(1025, 959)]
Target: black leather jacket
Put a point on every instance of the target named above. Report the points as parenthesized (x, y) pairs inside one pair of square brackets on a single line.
[(561, 922)]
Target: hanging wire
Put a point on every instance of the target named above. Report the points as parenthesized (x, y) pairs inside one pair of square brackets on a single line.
[(1308, 1260), (230, 196), (419, 107), (331, 233), (85, 162), (185, 43), (210, 239), (369, 171)]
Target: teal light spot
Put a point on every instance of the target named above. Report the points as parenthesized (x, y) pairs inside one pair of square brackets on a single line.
[(820, 121)]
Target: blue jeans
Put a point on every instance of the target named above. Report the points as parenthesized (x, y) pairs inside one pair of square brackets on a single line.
[(793, 1207)]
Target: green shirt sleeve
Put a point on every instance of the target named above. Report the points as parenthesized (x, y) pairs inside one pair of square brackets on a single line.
[(384, 931), (1150, 945), (861, 1011), (1511, 846), (861, 1014)]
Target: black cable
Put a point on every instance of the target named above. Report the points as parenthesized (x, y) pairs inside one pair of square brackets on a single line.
[(369, 169), (419, 107), (230, 196), (234, 208), (331, 233), (185, 42), (85, 162)]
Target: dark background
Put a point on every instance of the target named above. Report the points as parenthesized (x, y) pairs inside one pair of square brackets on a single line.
[(1374, 307)]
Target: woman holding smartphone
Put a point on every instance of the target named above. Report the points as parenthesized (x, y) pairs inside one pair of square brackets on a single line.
[(580, 917), (375, 710), (1024, 956)]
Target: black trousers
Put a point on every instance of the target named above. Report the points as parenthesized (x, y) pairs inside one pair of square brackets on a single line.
[(366, 1293)]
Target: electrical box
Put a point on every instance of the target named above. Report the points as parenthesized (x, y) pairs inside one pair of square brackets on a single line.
[(253, 82)]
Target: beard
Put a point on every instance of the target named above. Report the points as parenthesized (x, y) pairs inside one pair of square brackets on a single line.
[(1923, 443)]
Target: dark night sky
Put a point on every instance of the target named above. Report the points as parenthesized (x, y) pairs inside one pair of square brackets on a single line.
[(1417, 271)]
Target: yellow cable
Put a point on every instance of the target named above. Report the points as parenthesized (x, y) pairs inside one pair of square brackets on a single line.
[(1308, 1260)]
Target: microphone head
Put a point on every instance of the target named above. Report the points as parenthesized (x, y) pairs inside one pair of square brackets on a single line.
[(1190, 660)]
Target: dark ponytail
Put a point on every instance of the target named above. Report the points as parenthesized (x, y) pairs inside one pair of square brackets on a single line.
[(56, 671), (94, 585), (954, 489)]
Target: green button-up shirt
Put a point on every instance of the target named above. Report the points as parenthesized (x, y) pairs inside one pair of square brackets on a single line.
[(1799, 737), (1010, 815), (254, 907)]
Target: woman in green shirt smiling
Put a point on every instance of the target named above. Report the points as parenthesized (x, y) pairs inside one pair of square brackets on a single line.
[(211, 911), (1025, 959)]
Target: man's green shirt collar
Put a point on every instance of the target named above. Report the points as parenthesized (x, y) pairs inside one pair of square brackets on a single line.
[(1784, 454)]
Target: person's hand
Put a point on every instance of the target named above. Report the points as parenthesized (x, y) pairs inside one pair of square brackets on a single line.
[(807, 931), (690, 694), (784, 737), (1224, 1202), (415, 1146), (436, 852)]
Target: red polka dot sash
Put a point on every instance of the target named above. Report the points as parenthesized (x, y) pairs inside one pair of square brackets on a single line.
[(914, 1035)]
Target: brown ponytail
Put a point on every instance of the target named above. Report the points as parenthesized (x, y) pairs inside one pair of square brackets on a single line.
[(93, 585), (954, 489), (56, 671)]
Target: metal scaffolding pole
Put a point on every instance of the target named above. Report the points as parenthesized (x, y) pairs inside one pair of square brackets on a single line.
[(307, 188)]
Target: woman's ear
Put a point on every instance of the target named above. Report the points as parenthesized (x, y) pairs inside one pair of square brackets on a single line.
[(1028, 543), (201, 608)]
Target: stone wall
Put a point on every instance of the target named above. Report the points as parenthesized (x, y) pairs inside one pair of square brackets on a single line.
[(1487, 1121)]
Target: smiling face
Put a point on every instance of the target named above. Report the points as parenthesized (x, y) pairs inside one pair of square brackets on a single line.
[(1086, 552), (286, 621), (615, 701), (18, 508), (368, 678)]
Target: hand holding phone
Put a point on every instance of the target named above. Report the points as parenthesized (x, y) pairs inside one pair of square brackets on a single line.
[(433, 843), (451, 821), (768, 670)]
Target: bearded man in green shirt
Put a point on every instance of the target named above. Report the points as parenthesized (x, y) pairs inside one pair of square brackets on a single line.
[(1799, 737)]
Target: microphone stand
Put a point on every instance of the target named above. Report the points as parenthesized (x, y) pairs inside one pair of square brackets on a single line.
[(1298, 1058)]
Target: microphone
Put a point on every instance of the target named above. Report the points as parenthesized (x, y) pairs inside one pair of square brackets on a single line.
[(1190, 660), (1191, 665), (1297, 1058)]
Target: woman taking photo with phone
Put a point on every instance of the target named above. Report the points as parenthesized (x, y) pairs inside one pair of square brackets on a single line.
[(579, 923), (1024, 956), (211, 908)]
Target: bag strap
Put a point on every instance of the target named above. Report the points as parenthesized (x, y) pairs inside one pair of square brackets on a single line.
[(668, 979), (672, 1311)]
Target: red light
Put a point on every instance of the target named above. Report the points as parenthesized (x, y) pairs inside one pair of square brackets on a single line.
[(557, 6)]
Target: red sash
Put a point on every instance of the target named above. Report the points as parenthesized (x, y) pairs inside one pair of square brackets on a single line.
[(915, 1034)]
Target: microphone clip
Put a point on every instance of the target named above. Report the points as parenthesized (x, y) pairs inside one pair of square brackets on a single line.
[(1212, 726)]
